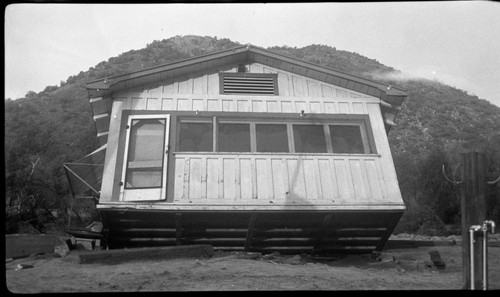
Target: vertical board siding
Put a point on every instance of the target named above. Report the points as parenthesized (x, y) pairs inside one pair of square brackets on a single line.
[(312, 179), (200, 85), (167, 104), (179, 179), (376, 185), (344, 107), (183, 104), (358, 108), (262, 177), (330, 107), (281, 179), (138, 103), (326, 91), (195, 176), (280, 187), (212, 178), (207, 85), (296, 93), (198, 104), (243, 106), (152, 104), (230, 178), (245, 180), (185, 87), (214, 105), (344, 180), (296, 179), (298, 86), (267, 178), (357, 177), (328, 179), (283, 84), (312, 88), (286, 106)]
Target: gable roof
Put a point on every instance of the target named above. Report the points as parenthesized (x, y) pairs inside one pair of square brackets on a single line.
[(242, 54), (391, 97)]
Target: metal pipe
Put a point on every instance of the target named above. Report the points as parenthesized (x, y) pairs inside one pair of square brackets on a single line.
[(485, 250), (471, 257), (485, 256), (492, 224), (472, 230)]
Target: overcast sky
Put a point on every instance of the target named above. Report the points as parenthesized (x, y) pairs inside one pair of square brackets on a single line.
[(457, 43)]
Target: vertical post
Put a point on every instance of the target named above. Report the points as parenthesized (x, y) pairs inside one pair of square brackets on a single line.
[(485, 256), (473, 208)]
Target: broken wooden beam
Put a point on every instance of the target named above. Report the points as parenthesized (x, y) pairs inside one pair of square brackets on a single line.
[(150, 253)]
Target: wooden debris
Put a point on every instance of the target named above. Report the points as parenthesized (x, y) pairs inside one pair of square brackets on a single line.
[(436, 259), (144, 254)]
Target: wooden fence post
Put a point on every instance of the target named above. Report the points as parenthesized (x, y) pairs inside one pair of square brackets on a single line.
[(474, 211)]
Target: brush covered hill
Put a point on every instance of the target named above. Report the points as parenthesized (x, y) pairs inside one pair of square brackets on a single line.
[(436, 124)]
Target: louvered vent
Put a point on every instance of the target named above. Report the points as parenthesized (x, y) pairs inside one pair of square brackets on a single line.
[(249, 83)]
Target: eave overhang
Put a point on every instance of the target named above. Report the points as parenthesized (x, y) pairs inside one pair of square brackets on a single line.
[(391, 97)]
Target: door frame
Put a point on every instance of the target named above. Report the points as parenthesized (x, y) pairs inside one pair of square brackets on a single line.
[(146, 194)]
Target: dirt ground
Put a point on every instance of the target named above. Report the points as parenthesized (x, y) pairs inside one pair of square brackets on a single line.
[(396, 269)]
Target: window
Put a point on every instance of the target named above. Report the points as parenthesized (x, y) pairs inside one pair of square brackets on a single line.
[(346, 139), (274, 135), (145, 154), (271, 138), (234, 138), (309, 139), (195, 137), (248, 83)]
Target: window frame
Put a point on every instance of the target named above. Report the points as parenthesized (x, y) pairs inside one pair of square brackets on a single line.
[(271, 123), (368, 146), (327, 148), (362, 121), (136, 193), (251, 131), (191, 120)]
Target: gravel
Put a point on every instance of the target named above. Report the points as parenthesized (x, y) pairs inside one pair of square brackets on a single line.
[(405, 236)]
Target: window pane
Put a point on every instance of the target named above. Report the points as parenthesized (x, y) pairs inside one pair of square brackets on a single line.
[(234, 138), (143, 179), (196, 137), (271, 138), (145, 155), (346, 139), (309, 139)]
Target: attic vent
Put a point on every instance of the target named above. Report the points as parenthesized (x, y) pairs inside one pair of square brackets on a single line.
[(248, 83)]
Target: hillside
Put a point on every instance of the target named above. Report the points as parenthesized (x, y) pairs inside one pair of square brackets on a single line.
[(437, 123)]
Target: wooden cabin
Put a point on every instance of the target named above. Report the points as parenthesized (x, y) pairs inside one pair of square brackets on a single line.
[(250, 150)]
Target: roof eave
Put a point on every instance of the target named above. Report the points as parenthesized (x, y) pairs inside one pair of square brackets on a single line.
[(116, 82), (392, 96)]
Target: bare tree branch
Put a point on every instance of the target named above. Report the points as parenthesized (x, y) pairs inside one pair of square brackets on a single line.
[(33, 165)]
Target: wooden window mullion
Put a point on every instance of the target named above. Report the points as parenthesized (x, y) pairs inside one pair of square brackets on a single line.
[(329, 148), (291, 141), (253, 138), (215, 144)]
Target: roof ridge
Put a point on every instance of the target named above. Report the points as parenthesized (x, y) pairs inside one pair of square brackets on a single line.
[(107, 82)]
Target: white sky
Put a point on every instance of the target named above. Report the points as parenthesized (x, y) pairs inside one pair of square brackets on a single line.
[(457, 43)]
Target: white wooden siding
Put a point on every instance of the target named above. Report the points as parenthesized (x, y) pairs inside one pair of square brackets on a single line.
[(289, 85), (258, 179), (238, 103), (279, 179)]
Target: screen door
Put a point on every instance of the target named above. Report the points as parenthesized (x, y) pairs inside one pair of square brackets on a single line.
[(146, 156)]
